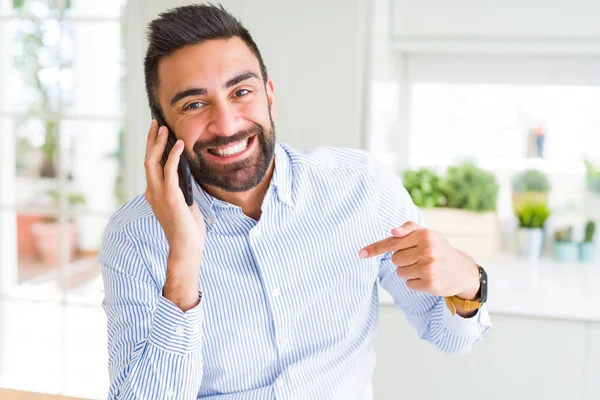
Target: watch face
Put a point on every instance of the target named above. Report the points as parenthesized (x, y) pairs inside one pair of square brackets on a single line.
[(484, 285)]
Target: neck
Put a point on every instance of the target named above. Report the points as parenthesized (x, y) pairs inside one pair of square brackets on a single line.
[(251, 200)]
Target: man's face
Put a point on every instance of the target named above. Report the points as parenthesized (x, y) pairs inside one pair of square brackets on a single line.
[(214, 99)]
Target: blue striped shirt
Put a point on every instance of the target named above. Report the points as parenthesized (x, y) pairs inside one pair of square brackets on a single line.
[(288, 309)]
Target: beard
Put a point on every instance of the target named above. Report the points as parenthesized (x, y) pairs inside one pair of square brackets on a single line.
[(237, 176)]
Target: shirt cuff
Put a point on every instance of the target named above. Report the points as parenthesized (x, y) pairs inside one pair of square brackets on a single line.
[(475, 326), (174, 330)]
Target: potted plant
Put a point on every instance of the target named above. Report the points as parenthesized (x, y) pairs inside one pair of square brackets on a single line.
[(466, 212), (530, 185), (565, 249), (38, 53), (47, 233), (587, 248), (471, 188), (532, 217), (425, 188)]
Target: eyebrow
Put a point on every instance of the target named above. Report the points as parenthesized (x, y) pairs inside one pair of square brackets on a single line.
[(202, 91), (186, 93), (240, 78)]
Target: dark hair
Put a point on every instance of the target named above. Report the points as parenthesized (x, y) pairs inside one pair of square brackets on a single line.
[(189, 25)]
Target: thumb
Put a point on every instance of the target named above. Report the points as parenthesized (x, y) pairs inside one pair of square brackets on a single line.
[(405, 229)]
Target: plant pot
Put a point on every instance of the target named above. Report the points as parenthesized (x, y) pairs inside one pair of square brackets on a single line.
[(565, 251), (587, 252), (530, 242), (26, 242), (47, 237), (477, 234)]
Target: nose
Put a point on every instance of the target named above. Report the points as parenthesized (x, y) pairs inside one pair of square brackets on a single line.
[(224, 120)]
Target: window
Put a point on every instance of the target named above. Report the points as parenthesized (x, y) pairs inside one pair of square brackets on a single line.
[(487, 108), (61, 117), (494, 124)]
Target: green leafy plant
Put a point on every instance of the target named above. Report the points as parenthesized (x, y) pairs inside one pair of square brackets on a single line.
[(592, 176), (73, 199), (424, 187), (564, 235), (471, 188), (532, 215), (530, 180), (36, 56), (590, 230)]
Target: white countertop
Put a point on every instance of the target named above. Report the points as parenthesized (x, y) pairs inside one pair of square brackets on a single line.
[(546, 289)]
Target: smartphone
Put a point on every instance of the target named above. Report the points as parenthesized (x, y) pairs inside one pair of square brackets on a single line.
[(183, 170)]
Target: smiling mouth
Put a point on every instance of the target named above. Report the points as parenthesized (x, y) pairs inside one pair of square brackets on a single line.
[(230, 149)]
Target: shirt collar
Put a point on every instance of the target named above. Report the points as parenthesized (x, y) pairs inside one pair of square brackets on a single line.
[(282, 175), (205, 202), (281, 181)]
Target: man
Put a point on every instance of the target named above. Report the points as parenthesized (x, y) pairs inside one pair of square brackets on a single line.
[(267, 286)]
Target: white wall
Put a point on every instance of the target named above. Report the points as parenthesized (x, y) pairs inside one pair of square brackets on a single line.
[(314, 52), (533, 26), (498, 18)]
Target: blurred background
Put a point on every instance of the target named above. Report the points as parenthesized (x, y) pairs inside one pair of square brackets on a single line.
[(487, 110)]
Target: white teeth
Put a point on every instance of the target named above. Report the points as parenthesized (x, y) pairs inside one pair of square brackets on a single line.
[(231, 150)]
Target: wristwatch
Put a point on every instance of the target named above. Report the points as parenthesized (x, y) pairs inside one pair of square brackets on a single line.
[(471, 305)]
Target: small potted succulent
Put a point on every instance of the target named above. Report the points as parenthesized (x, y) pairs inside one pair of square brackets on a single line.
[(565, 249), (532, 218), (587, 248)]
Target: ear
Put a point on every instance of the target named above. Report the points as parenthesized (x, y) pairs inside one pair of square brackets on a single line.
[(271, 98)]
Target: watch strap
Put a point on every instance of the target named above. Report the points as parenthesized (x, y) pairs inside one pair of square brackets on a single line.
[(469, 305)]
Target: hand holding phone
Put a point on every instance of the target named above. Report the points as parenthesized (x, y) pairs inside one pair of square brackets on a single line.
[(181, 220)]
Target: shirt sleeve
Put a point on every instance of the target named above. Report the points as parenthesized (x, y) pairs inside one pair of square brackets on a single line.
[(426, 313), (154, 348)]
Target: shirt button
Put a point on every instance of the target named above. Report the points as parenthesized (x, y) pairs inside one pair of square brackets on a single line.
[(170, 393), (179, 330), (276, 292), (280, 382), (257, 232), (196, 328), (285, 343)]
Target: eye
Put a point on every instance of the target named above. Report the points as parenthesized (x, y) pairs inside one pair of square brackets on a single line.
[(196, 105), (241, 93)]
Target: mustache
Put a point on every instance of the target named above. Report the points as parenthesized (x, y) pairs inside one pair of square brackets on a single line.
[(219, 141)]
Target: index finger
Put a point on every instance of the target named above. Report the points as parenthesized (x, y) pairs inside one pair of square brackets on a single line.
[(152, 133), (153, 163), (387, 245)]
